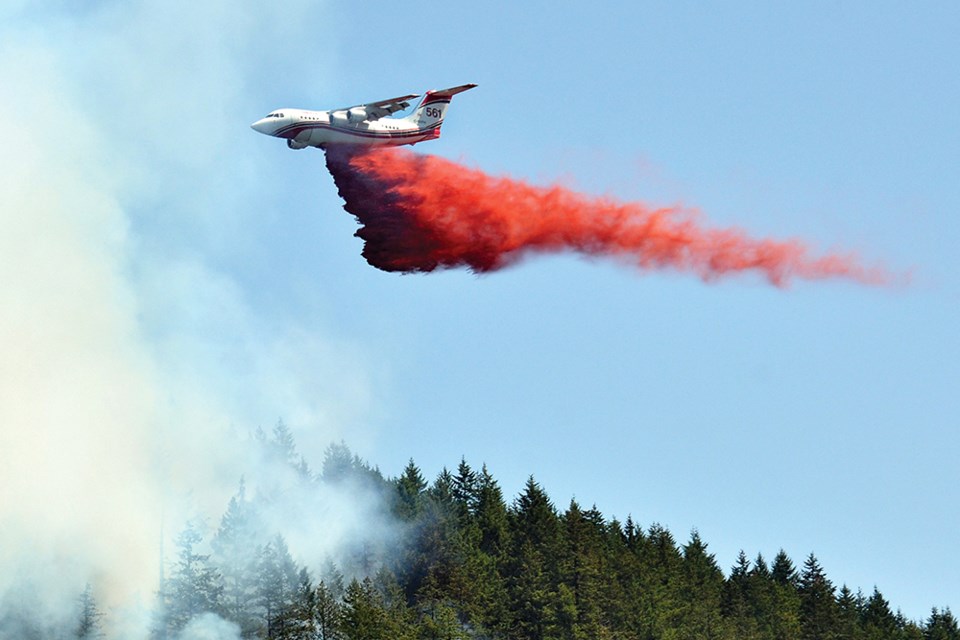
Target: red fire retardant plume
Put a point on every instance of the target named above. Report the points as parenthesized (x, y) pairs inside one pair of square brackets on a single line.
[(420, 213)]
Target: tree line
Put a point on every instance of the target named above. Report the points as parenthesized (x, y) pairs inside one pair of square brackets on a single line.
[(468, 564)]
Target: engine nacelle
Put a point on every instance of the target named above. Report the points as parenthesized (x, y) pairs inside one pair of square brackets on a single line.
[(293, 144), (357, 114)]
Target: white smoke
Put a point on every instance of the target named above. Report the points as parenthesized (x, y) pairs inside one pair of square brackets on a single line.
[(210, 627), (131, 364)]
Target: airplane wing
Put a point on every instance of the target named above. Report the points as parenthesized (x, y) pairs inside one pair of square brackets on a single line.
[(376, 110)]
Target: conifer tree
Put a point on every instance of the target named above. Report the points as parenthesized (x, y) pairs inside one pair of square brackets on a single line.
[(619, 587), (400, 624), (818, 608), (470, 566), (90, 618), (878, 621), (701, 592), (432, 567), (849, 606), (364, 617), (278, 583), (338, 463), (492, 517), (738, 604), (581, 571), (466, 489), (783, 571), (375, 611), (410, 489), (531, 577), (328, 613), (659, 571), (941, 625), (195, 585), (299, 620), (441, 623), (236, 548)]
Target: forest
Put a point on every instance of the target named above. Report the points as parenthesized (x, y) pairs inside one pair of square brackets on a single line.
[(466, 563)]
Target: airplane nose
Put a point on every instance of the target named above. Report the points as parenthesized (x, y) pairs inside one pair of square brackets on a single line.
[(261, 125)]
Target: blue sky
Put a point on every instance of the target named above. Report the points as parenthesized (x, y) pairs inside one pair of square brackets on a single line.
[(216, 270)]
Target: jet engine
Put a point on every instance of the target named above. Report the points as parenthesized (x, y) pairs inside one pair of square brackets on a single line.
[(357, 114), (293, 144)]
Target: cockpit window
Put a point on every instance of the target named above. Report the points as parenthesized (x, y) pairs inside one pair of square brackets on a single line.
[(275, 114)]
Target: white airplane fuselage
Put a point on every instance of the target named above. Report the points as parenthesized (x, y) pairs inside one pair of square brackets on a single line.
[(366, 124), (303, 128)]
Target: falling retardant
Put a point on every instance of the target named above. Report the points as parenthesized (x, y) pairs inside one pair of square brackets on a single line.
[(419, 213)]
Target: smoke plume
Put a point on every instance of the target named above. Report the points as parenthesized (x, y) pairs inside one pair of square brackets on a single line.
[(135, 359), (420, 213)]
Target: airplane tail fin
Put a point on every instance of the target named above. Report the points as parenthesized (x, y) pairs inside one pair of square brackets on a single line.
[(429, 113)]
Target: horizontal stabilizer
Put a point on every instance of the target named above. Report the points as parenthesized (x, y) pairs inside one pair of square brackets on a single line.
[(452, 91)]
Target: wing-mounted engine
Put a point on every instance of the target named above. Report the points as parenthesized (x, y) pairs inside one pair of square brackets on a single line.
[(293, 144), (346, 117)]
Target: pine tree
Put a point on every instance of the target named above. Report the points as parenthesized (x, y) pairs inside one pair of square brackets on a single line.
[(877, 620), (432, 567), (442, 490), (581, 572), (410, 489), (278, 583), (90, 616), (236, 548), (299, 619), (531, 576), (738, 604), (657, 584), (818, 608), (364, 613), (619, 585), (492, 517), (328, 613), (941, 625), (466, 489), (441, 623), (700, 593), (849, 606), (783, 571), (341, 466), (399, 621), (338, 463), (775, 606), (783, 620), (195, 586)]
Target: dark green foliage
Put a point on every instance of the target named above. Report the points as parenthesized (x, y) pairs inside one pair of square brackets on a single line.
[(364, 614), (819, 614), (328, 612), (467, 565), (941, 626), (532, 570), (849, 607), (410, 489), (877, 619)]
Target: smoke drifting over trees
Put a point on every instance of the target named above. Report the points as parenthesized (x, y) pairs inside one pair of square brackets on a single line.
[(462, 562)]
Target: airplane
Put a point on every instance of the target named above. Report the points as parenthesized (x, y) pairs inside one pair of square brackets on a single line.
[(365, 124)]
